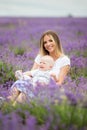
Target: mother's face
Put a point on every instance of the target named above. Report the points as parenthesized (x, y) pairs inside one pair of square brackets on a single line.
[(49, 43)]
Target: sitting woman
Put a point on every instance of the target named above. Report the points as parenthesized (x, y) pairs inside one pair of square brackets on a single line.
[(41, 74), (49, 45)]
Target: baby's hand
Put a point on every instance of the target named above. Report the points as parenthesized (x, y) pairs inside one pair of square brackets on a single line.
[(28, 73), (18, 74)]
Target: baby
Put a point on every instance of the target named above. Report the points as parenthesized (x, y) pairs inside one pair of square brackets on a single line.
[(27, 79), (41, 75)]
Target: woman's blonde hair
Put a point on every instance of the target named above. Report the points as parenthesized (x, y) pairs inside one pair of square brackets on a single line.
[(58, 51)]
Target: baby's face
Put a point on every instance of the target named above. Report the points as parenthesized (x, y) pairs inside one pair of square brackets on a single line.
[(44, 65)]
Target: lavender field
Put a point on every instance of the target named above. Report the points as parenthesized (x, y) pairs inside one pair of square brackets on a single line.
[(52, 108)]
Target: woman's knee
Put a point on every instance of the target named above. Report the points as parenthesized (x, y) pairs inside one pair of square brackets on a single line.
[(14, 90), (22, 97)]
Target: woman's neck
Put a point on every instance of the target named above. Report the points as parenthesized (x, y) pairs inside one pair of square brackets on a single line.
[(55, 57)]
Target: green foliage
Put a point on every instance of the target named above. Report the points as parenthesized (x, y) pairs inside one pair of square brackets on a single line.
[(59, 114), (75, 72), (80, 52), (6, 72), (79, 33), (39, 111), (19, 51), (7, 108)]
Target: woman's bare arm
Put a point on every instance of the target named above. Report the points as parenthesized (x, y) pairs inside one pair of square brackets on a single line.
[(63, 73), (35, 66)]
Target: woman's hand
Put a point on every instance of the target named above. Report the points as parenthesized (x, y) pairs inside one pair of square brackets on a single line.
[(53, 76), (63, 73)]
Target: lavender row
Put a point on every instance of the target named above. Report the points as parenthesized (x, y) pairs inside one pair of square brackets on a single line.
[(19, 44)]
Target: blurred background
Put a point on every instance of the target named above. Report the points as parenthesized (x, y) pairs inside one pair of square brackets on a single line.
[(40, 8)]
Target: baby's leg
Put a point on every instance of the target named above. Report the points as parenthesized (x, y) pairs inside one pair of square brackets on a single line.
[(20, 99), (14, 94)]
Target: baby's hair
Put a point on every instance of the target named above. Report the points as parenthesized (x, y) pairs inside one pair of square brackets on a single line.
[(49, 60)]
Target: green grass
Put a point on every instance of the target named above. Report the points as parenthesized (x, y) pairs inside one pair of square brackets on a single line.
[(6, 72)]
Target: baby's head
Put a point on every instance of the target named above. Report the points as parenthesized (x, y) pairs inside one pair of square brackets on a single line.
[(46, 62)]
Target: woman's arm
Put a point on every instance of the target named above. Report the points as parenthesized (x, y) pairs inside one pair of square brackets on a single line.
[(35, 66), (28, 73), (63, 73)]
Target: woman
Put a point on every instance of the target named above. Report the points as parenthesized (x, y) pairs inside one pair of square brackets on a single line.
[(49, 45)]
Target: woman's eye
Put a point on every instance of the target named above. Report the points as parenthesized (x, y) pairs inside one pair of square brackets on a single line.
[(45, 42), (50, 40)]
